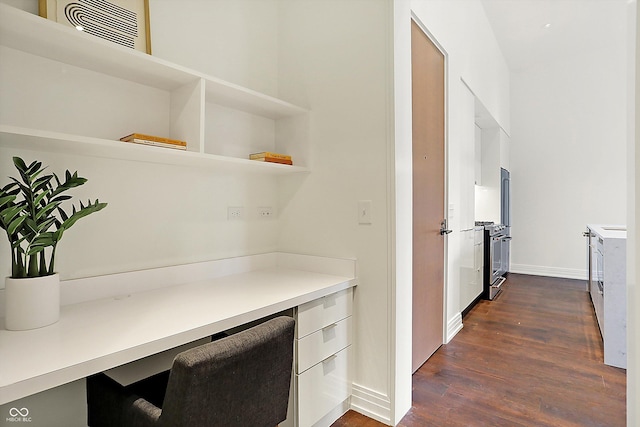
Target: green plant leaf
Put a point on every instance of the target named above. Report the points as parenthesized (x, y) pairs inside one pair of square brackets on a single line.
[(46, 210), (21, 187), (34, 169), (82, 212), (40, 197), (9, 190), (20, 164), (7, 200), (42, 242), (71, 181), (45, 225), (60, 198), (7, 215), (31, 226), (33, 218), (42, 182), (63, 214), (13, 227)]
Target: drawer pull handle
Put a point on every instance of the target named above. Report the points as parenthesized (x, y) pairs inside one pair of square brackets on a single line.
[(330, 358), (333, 325), (329, 301)]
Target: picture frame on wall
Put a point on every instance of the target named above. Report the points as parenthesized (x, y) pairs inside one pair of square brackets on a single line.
[(124, 22)]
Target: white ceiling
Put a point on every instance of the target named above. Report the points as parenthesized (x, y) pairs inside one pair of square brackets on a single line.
[(519, 27)]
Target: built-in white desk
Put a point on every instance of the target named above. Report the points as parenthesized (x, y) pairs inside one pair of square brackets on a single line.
[(108, 321)]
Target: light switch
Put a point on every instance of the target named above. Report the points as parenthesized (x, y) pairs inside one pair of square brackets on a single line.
[(364, 212)]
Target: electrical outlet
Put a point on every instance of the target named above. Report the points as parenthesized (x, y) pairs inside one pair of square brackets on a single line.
[(235, 212), (265, 212)]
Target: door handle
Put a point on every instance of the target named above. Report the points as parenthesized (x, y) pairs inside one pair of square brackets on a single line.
[(443, 228)]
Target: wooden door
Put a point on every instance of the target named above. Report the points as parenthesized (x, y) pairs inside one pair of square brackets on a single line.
[(428, 93)]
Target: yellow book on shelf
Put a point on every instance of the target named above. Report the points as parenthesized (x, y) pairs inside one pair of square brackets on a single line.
[(268, 154), (137, 137), (274, 160), (157, 144)]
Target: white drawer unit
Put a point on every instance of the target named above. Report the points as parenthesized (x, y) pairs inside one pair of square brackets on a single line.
[(323, 349), (323, 387), (323, 312), (478, 257), (324, 343), (471, 268)]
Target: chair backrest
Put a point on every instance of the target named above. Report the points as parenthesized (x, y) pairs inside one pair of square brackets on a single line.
[(240, 380)]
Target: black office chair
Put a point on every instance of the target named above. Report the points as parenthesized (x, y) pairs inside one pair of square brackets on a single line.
[(237, 381)]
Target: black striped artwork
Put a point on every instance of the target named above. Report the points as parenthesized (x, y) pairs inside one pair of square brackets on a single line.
[(104, 19)]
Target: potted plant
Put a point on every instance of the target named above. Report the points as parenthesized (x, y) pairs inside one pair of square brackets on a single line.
[(34, 219)]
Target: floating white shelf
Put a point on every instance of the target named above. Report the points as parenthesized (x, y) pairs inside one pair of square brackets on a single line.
[(30, 139), (38, 36), (42, 38)]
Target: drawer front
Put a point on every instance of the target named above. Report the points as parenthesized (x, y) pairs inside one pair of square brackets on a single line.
[(324, 311), (478, 237), (597, 297), (321, 344), (323, 387), (478, 256)]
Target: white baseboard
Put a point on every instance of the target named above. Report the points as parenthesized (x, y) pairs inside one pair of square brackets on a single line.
[(453, 327), (333, 415), (541, 270), (371, 403)]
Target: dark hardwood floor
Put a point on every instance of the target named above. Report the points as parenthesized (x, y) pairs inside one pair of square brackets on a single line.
[(532, 357)]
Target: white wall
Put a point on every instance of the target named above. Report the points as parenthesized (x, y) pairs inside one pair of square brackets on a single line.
[(633, 208), (232, 40), (342, 70), (342, 59), (568, 153), (335, 57), (162, 215), (462, 30), (473, 55)]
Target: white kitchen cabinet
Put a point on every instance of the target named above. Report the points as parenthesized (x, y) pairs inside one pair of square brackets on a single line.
[(494, 155), (608, 289), (471, 274), (504, 150), (66, 91), (477, 155), (465, 164), (322, 375)]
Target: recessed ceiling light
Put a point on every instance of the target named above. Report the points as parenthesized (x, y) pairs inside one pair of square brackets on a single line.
[(546, 26)]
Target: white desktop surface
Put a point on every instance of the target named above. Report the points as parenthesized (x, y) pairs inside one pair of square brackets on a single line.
[(97, 335)]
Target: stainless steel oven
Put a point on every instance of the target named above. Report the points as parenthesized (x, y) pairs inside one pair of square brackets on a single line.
[(496, 255), (497, 241)]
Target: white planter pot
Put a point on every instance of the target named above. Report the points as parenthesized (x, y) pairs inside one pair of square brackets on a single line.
[(32, 302)]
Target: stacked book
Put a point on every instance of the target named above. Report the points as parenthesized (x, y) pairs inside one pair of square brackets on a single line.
[(158, 141), (267, 156)]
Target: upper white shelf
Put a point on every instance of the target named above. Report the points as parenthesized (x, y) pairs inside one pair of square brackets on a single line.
[(32, 139), (38, 36), (31, 34)]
